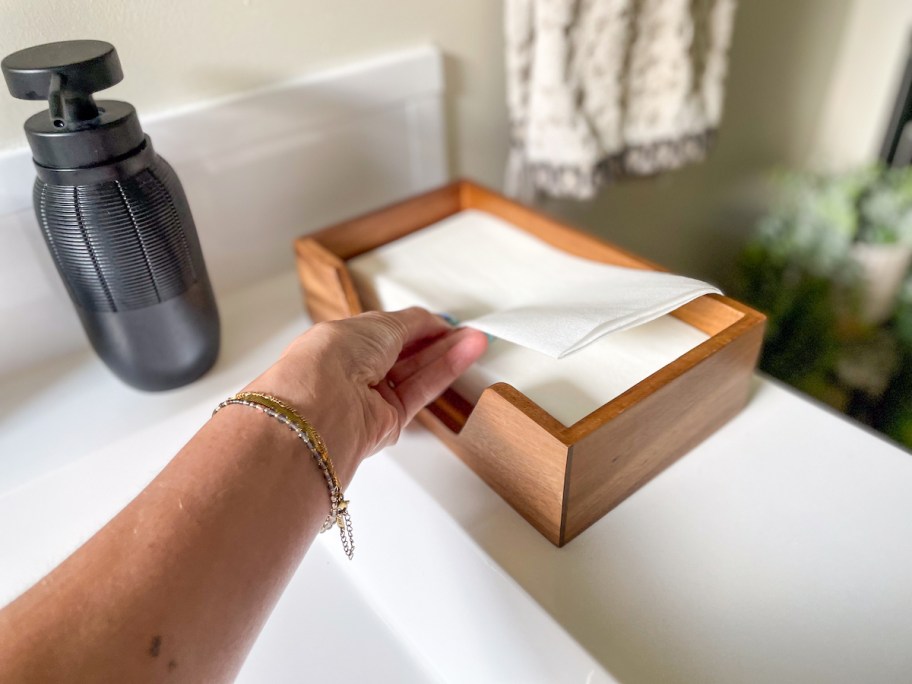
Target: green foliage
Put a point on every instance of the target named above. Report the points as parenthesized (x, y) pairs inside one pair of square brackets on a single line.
[(798, 270), (895, 416), (802, 339), (829, 212), (885, 208), (903, 317), (825, 203)]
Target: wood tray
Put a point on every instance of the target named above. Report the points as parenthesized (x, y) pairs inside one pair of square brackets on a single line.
[(561, 479)]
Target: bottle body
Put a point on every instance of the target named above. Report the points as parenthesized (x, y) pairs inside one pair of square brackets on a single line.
[(125, 244)]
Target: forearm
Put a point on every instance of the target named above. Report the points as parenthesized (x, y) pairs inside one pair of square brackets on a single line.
[(180, 582)]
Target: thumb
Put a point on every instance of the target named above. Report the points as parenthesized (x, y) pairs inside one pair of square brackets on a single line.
[(428, 382)]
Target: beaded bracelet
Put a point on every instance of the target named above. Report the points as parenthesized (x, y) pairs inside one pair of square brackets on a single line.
[(276, 408)]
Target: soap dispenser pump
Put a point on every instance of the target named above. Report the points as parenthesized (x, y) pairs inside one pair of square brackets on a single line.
[(115, 219)]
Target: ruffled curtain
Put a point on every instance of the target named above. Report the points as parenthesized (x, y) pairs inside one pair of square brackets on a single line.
[(601, 89)]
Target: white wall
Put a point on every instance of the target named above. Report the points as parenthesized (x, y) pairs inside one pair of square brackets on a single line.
[(176, 52), (333, 144)]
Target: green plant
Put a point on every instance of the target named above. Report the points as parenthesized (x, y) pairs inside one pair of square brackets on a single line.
[(895, 418), (817, 216), (903, 317), (802, 338), (885, 208), (799, 269)]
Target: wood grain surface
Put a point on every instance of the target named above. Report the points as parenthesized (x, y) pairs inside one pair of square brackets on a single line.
[(561, 479)]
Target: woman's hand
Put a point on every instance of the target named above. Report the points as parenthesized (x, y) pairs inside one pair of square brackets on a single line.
[(360, 380), (179, 583)]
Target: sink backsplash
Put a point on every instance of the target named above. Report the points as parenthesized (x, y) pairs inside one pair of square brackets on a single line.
[(259, 169)]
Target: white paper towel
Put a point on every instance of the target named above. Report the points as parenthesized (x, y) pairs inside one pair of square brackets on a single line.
[(553, 344), (518, 288)]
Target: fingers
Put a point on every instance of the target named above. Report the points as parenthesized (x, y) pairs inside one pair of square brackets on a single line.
[(439, 365), (392, 333), (418, 324), (409, 364), (388, 403), (337, 374)]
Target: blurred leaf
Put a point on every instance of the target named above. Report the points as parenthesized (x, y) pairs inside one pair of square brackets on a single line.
[(895, 415), (903, 317), (801, 338), (885, 208), (799, 271)]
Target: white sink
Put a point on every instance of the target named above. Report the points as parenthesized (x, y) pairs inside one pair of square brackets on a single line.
[(777, 550), (420, 602)]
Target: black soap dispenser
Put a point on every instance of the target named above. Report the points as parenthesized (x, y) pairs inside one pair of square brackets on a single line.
[(115, 219)]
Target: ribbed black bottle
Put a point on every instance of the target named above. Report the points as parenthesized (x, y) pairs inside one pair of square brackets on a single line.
[(115, 219)]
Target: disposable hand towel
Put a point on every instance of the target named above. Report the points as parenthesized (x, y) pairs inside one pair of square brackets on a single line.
[(475, 266), (507, 283)]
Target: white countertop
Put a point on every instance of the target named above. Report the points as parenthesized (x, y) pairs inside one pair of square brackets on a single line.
[(778, 550)]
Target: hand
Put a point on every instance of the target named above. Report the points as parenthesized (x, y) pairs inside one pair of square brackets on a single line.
[(180, 582), (360, 380)]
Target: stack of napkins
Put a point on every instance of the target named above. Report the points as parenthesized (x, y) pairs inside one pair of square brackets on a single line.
[(569, 332)]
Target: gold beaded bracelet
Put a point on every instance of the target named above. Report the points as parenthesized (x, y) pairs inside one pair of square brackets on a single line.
[(276, 408)]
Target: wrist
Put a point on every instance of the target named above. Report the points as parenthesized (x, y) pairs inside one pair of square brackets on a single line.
[(304, 432), (301, 398)]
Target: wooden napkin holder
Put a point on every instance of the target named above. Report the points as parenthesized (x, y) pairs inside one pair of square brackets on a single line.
[(560, 478)]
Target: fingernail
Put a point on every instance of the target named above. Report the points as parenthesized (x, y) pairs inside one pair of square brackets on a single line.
[(452, 320), (489, 336)]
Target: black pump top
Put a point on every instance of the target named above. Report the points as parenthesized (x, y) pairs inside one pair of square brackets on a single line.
[(75, 132), (65, 74)]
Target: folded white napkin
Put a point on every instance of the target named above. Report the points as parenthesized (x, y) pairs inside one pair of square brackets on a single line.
[(475, 266), (507, 283)]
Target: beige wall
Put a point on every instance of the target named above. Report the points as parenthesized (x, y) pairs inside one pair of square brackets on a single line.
[(181, 51), (864, 82), (810, 83), (695, 220), (796, 90)]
